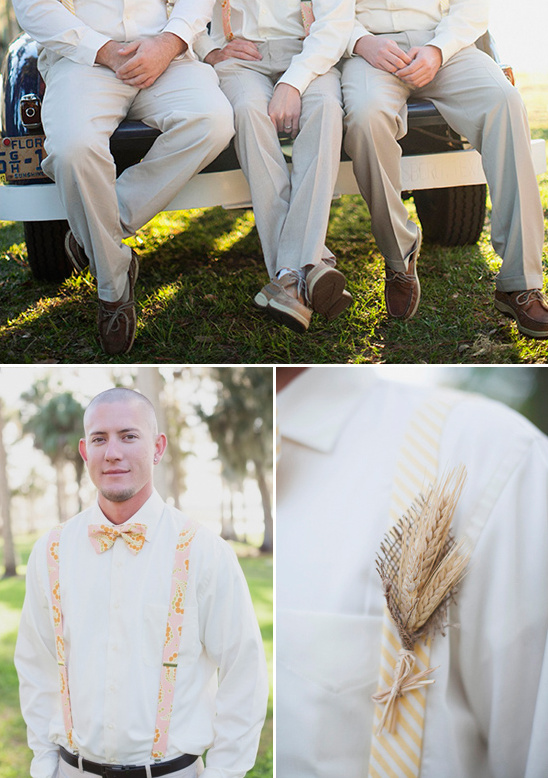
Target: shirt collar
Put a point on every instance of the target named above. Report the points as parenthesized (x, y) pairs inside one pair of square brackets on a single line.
[(148, 514), (316, 405)]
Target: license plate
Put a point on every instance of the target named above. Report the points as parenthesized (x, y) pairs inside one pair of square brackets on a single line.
[(20, 158)]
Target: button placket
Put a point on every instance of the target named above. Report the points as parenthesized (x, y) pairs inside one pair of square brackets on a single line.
[(114, 651)]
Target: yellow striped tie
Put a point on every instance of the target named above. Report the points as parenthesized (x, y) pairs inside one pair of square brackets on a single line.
[(399, 754), (69, 5)]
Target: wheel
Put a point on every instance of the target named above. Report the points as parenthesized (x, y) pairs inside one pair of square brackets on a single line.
[(46, 250), (453, 216)]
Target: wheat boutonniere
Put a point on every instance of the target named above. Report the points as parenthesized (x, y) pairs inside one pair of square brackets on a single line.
[(420, 565)]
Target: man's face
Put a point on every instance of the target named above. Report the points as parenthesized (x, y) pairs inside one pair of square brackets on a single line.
[(119, 449)]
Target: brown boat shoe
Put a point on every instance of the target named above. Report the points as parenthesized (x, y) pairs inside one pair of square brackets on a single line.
[(402, 289), (117, 321), (528, 307)]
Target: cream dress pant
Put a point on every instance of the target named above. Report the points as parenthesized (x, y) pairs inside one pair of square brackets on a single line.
[(474, 97), (291, 206), (82, 107)]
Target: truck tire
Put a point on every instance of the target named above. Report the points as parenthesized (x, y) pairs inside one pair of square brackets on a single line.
[(453, 216), (46, 250)]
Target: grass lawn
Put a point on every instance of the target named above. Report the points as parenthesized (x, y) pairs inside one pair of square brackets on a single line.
[(200, 270), (15, 759)]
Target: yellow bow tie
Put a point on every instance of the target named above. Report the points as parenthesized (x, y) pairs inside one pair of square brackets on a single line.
[(103, 537)]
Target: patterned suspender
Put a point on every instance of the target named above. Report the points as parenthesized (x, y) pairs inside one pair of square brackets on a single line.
[(399, 754), (179, 583), (174, 628), (53, 570), (307, 15)]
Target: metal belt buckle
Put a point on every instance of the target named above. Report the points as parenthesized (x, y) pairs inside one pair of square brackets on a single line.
[(114, 771)]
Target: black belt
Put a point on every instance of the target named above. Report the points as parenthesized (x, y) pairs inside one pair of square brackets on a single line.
[(131, 771)]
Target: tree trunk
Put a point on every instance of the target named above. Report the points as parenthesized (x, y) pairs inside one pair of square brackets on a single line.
[(227, 529), (5, 507), (268, 541), (151, 384), (61, 489)]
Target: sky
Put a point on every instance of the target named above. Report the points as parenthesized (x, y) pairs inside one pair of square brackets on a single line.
[(519, 28)]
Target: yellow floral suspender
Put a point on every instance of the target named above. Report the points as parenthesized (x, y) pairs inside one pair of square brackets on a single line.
[(179, 583), (307, 15)]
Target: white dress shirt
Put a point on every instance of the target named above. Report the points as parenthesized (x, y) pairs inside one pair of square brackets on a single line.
[(79, 37), (115, 607), (487, 712), (261, 20), (455, 23)]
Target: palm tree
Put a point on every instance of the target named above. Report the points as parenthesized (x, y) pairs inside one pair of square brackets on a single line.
[(55, 422)]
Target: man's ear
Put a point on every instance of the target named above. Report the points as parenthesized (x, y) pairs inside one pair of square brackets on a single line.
[(82, 449), (160, 446)]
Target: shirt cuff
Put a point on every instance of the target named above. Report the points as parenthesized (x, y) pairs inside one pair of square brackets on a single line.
[(183, 31), (89, 45), (447, 45), (297, 75), (203, 45), (357, 33)]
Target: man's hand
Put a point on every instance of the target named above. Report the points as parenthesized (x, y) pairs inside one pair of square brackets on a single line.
[(426, 61), (110, 55), (146, 59), (237, 48), (285, 109), (382, 53)]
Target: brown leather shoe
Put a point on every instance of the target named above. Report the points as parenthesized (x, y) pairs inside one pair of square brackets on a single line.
[(402, 290), (75, 253), (117, 321), (529, 308)]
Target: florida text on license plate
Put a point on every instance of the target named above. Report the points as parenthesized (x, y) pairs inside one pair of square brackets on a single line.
[(20, 158)]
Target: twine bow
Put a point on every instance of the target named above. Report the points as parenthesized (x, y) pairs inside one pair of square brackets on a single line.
[(103, 537), (403, 681)]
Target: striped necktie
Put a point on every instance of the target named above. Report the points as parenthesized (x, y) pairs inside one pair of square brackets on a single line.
[(68, 4), (398, 755)]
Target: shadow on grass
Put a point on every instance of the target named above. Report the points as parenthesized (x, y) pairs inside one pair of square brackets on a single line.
[(200, 271)]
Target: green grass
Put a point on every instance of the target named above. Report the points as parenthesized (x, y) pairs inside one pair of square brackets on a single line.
[(16, 756), (200, 270)]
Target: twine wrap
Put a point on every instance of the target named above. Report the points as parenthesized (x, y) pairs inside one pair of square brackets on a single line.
[(403, 681)]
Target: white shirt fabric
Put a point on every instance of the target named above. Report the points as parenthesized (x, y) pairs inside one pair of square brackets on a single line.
[(79, 37), (487, 712), (456, 23), (261, 20), (115, 607)]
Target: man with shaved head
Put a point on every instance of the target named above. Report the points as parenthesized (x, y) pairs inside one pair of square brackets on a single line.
[(138, 647)]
